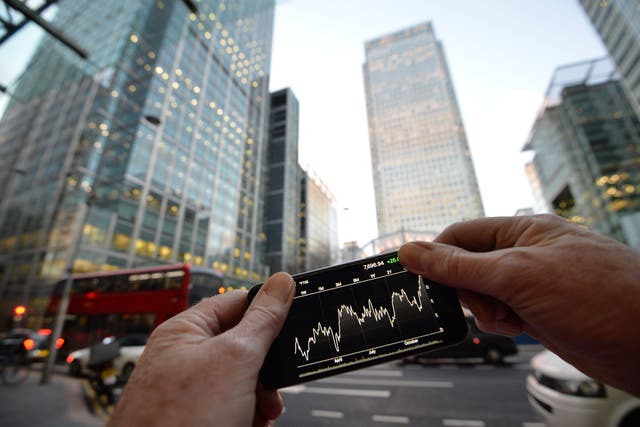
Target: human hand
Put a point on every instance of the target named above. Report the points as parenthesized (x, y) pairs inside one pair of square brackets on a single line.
[(201, 366), (576, 292)]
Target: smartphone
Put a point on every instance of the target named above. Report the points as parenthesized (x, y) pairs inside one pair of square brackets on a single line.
[(359, 314)]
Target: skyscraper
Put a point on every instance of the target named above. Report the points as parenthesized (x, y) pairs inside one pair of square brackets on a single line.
[(618, 24), (318, 223), (153, 148), (539, 204), (282, 216), (587, 150), (422, 170)]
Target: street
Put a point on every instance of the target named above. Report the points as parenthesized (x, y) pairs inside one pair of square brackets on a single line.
[(448, 394), (58, 404)]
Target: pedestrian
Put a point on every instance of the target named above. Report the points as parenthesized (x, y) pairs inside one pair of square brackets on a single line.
[(577, 292)]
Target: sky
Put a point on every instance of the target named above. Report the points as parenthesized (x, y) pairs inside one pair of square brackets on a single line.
[(501, 54)]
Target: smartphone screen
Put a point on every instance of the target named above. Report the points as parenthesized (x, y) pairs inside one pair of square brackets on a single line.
[(358, 314)]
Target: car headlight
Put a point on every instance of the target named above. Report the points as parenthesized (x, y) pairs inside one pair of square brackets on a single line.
[(586, 388), (591, 389)]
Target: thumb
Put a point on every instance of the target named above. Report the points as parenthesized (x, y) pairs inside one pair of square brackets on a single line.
[(265, 316), (449, 265)]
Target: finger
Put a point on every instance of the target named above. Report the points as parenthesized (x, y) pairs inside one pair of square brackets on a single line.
[(485, 308), (269, 403), (510, 326), (478, 304), (221, 312), (451, 266), (259, 421), (268, 310), (491, 315), (487, 234)]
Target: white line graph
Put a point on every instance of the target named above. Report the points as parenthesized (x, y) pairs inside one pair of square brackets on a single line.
[(368, 313)]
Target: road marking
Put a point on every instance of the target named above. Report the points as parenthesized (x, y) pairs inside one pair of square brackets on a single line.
[(523, 366), (378, 373), (387, 382), (485, 367), (534, 425), (390, 419), (297, 389), (462, 423), (326, 414), (381, 366)]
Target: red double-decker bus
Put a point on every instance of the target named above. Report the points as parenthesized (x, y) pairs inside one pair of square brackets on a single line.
[(130, 301)]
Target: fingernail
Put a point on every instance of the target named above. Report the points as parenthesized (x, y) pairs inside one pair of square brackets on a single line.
[(411, 255), (280, 286)]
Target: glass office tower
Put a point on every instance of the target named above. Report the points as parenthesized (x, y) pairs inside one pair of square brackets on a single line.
[(618, 24), (282, 216), (587, 150), (149, 152), (422, 170), (318, 223)]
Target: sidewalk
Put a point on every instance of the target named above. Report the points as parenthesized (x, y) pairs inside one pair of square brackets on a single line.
[(59, 403)]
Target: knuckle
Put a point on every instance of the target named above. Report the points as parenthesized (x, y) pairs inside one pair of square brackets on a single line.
[(264, 315), (448, 234), (533, 227), (451, 264), (547, 219), (237, 346), (515, 258), (449, 228), (161, 330), (513, 268)]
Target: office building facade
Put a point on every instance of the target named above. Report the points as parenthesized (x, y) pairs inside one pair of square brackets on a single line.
[(539, 203), (393, 241), (151, 151), (351, 251), (423, 175), (318, 223), (587, 150), (618, 24), (282, 220)]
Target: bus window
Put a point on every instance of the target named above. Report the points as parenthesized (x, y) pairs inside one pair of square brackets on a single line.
[(174, 279), (157, 281), (202, 286), (104, 284), (136, 283), (119, 283)]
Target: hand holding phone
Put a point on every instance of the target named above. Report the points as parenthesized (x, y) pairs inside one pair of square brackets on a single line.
[(358, 314)]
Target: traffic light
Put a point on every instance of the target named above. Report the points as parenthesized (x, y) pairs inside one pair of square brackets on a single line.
[(18, 313)]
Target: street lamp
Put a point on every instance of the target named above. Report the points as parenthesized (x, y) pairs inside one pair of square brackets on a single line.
[(66, 291)]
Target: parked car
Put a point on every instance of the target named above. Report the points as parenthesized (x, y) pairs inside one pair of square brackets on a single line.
[(478, 344), (131, 347), (566, 397), (28, 345)]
